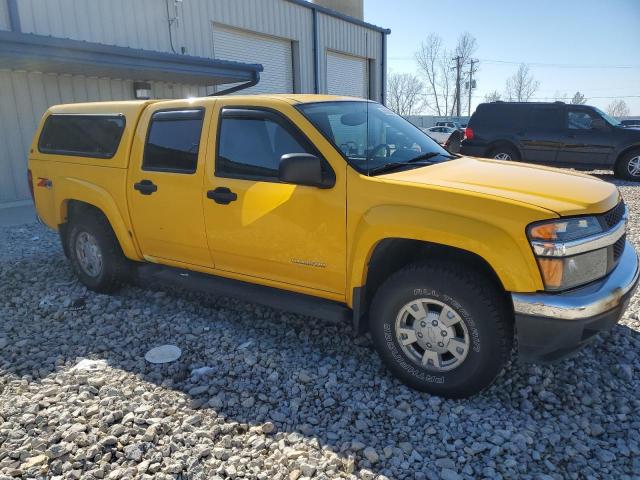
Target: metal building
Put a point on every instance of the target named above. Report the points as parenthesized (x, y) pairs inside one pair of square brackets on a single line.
[(63, 51)]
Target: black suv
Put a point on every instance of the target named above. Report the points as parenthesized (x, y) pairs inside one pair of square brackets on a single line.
[(556, 134)]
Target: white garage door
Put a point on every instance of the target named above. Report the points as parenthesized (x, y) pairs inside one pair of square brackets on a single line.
[(347, 75), (273, 53)]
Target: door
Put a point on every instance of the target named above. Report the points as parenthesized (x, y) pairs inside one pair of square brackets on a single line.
[(260, 227), (347, 75), (274, 54), (541, 136), (583, 144), (164, 187)]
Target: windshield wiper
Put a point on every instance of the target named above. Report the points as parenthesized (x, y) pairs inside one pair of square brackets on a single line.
[(422, 159)]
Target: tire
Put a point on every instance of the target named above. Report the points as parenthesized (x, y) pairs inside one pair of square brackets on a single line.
[(90, 236), (628, 166), (478, 310), (504, 152)]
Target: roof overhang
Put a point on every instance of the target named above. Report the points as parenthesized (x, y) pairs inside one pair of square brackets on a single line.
[(22, 51)]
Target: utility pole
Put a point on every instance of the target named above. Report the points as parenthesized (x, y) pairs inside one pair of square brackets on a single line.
[(471, 87), (458, 66)]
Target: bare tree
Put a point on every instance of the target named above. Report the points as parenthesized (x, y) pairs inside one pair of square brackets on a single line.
[(521, 86), (493, 96), (434, 62), (618, 108), (405, 93), (578, 99)]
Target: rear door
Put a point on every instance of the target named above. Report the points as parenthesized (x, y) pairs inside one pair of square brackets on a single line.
[(164, 186), (541, 136), (582, 144)]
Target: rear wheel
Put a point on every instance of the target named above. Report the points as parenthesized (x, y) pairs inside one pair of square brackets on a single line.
[(628, 167), (504, 152), (95, 253), (441, 329)]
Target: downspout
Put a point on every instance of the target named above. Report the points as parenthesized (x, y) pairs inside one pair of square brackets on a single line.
[(383, 67), (316, 53), (14, 16), (237, 88)]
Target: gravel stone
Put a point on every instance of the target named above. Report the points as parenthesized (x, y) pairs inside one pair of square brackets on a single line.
[(264, 394)]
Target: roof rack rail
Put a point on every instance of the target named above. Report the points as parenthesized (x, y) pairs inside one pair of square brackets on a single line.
[(242, 86)]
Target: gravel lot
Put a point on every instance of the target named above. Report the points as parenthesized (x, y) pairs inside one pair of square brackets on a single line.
[(282, 396)]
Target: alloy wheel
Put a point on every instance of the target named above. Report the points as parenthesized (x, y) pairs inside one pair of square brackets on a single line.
[(432, 334), (89, 254)]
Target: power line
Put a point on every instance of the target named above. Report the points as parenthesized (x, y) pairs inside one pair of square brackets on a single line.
[(537, 64)]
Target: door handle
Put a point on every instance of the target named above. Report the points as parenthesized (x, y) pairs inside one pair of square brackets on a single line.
[(222, 195), (145, 187)]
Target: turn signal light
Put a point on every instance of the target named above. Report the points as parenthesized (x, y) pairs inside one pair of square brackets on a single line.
[(552, 270)]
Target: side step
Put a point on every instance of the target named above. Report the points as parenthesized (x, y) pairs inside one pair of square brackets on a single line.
[(272, 297)]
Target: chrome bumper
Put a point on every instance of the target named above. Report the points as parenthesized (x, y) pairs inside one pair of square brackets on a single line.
[(585, 302)]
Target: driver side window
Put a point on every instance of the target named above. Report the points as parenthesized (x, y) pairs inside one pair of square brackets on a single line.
[(251, 143)]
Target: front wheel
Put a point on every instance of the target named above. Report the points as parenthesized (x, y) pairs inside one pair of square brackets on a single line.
[(628, 167), (441, 329), (504, 153)]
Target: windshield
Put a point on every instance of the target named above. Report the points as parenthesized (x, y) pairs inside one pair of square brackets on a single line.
[(372, 137), (608, 118)]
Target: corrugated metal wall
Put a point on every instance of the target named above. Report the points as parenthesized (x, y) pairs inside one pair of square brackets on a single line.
[(143, 24)]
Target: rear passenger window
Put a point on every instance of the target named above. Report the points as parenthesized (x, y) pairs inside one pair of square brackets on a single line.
[(251, 142), (82, 135), (545, 118), (173, 141)]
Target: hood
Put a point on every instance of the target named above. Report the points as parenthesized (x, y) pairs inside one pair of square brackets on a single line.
[(561, 191)]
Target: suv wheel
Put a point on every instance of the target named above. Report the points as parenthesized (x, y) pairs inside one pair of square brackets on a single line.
[(628, 167), (504, 153), (95, 253), (441, 329)]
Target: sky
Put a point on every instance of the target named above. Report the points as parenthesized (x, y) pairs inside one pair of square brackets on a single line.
[(591, 45)]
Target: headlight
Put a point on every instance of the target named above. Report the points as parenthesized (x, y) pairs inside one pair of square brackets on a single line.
[(553, 243), (565, 230), (563, 273)]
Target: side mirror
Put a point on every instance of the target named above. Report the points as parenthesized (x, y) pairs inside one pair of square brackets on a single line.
[(598, 124), (304, 169)]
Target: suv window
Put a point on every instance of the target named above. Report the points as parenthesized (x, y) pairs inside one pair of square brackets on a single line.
[(579, 119), (495, 115), (252, 141), (545, 118), (173, 141), (82, 135)]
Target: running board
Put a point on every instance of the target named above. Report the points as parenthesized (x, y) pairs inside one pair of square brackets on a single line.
[(271, 297)]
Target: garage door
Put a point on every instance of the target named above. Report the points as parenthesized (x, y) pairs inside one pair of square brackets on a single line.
[(273, 53), (347, 75)]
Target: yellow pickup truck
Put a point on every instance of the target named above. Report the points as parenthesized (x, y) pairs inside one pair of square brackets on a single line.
[(338, 208)]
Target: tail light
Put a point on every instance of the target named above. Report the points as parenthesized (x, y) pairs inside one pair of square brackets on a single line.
[(468, 133), (30, 180)]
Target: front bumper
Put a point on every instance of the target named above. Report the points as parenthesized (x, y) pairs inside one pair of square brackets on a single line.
[(550, 326)]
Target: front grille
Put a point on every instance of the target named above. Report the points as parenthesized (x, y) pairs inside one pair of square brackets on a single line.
[(618, 247), (613, 216)]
